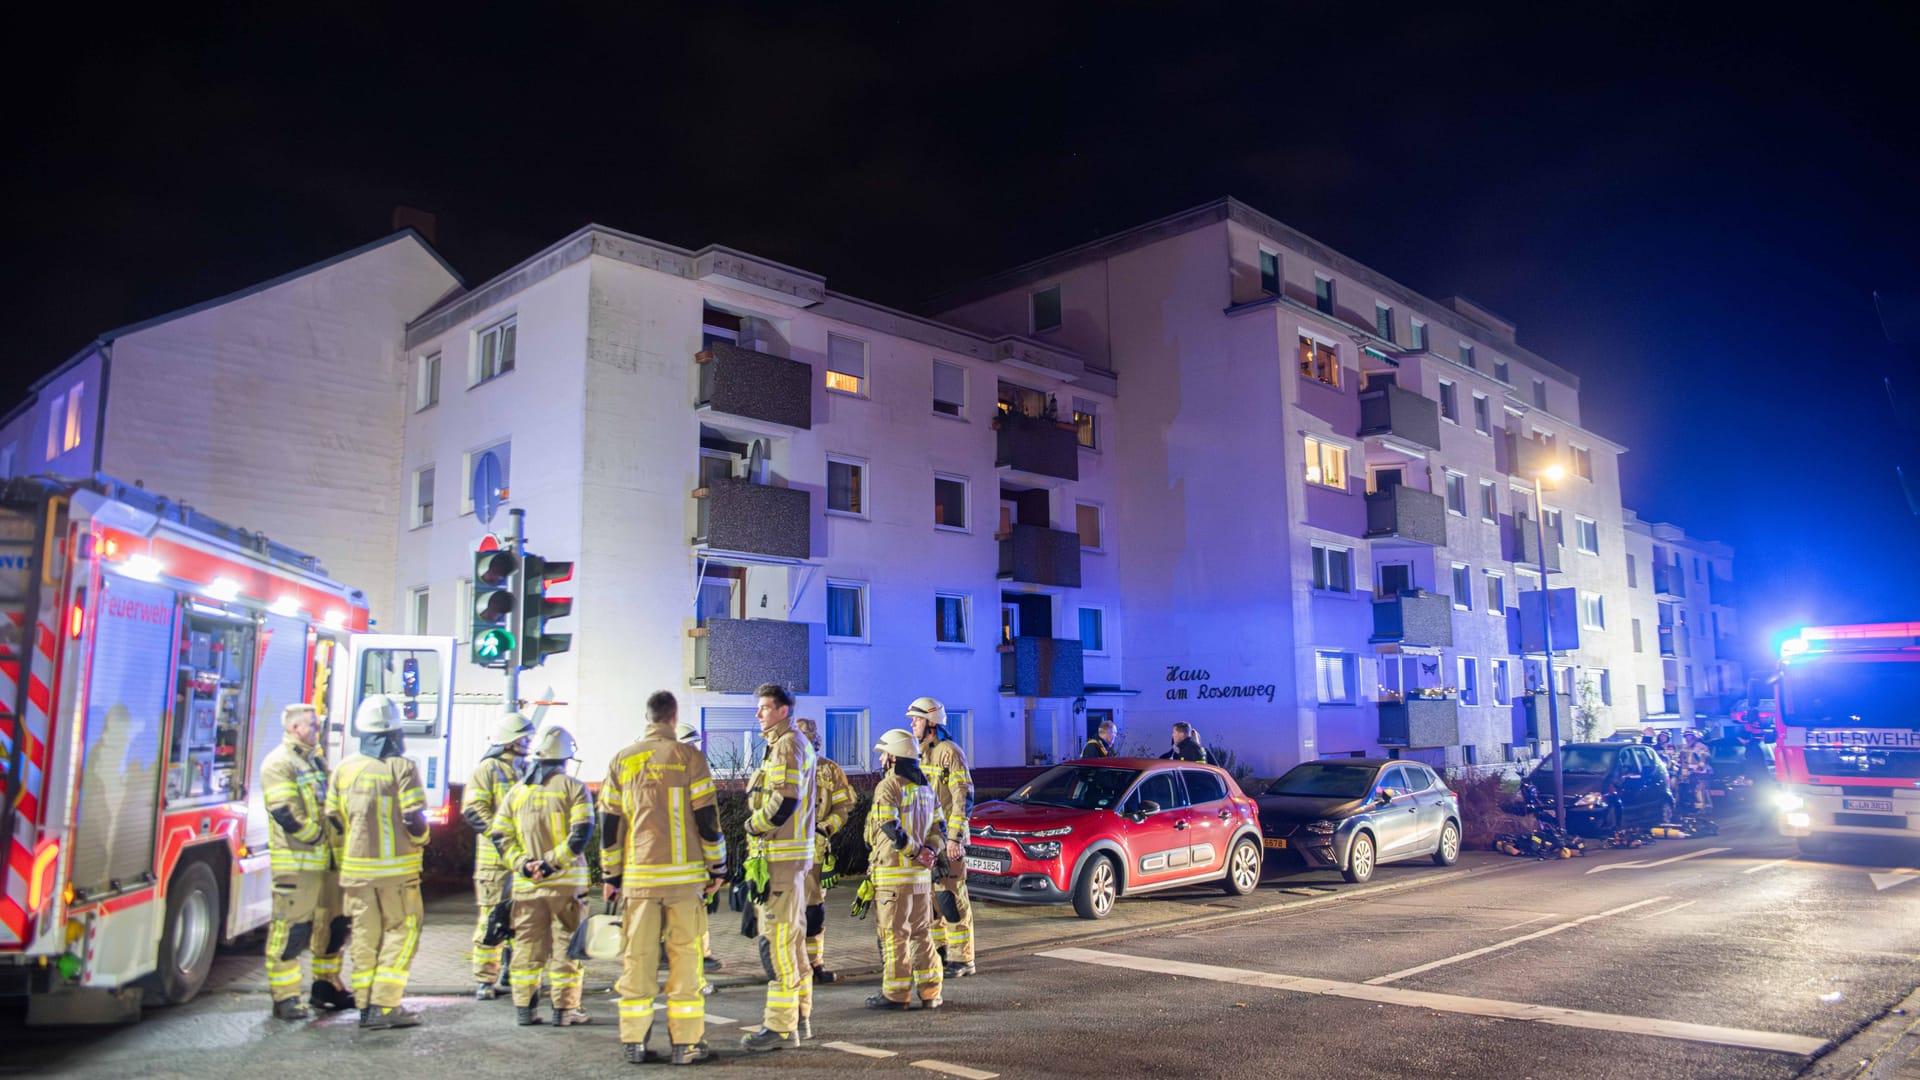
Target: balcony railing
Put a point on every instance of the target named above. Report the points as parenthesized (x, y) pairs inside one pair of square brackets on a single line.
[(1527, 457), (1669, 581), (1670, 702), (1037, 555), (1038, 446), (755, 519), (1042, 667), (1414, 619), (1420, 721), (745, 382), (1521, 544), (735, 656), (1405, 513), (1394, 410)]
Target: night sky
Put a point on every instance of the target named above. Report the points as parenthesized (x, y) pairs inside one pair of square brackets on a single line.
[(1691, 211)]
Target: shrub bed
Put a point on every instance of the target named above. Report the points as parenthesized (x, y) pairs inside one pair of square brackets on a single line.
[(1483, 798)]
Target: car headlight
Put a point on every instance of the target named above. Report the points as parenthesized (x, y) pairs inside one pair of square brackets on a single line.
[(1054, 832), (1788, 801), (1322, 826), (1592, 800), (1046, 849)]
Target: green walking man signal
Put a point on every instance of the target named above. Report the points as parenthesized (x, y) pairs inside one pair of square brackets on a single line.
[(511, 609)]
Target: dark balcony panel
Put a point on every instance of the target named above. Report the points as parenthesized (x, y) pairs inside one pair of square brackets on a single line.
[(1520, 544), (1720, 591), (1043, 667), (744, 382), (1397, 411), (1532, 720), (1041, 447), (1414, 619), (1037, 555), (1420, 722), (1670, 703), (1669, 581), (756, 519), (740, 654), (1407, 513), (1529, 457), (1671, 641)]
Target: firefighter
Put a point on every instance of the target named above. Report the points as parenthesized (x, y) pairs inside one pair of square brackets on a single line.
[(688, 731), (492, 882), (379, 816), (1100, 744), (542, 829), (1693, 765), (657, 796), (904, 832), (780, 800), (307, 909), (833, 797), (946, 767)]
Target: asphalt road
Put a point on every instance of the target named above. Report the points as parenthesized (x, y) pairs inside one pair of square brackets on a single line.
[(1723, 957)]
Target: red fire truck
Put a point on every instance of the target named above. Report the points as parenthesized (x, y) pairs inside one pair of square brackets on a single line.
[(146, 651), (1848, 755)]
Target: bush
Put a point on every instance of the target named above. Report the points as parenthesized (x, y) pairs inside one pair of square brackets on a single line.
[(1483, 798)]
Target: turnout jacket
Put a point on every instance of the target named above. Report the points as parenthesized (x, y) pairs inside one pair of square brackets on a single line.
[(787, 772), (294, 777), (946, 767), (486, 791), (550, 821), (833, 796), (897, 799), (648, 803), (369, 801)]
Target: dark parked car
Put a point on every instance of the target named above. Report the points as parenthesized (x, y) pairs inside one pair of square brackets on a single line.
[(1352, 814), (1742, 769), (1609, 786)]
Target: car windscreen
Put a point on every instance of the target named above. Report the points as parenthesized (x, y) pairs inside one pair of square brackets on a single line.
[(1584, 759), (1325, 779), (1082, 787), (1861, 694)]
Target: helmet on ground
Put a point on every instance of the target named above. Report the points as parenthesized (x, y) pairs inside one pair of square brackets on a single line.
[(553, 744), (899, 742), (377, 715), (687, 731), (930, 710), (511, 727)]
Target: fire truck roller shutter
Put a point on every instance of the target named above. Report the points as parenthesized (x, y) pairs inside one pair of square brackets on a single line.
[(128, 690), (278, 683)]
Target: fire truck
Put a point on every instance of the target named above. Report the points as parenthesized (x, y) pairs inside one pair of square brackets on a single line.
[(1848, 750), (146, 653)]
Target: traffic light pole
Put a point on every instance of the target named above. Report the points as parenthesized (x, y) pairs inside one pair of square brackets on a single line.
[(519, 617)]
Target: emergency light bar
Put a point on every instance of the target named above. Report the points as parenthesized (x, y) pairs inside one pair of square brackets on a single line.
[(1893, 635)]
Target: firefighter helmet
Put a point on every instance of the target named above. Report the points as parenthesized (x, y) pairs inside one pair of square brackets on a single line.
[(553, 744), (687, 731), (377, 715), (512, 727), (930, 710), (899, 742)]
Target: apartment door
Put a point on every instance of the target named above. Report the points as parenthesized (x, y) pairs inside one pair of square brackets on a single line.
[(1096, 717), (1043, 722), (1385, 479), (1392, 578)]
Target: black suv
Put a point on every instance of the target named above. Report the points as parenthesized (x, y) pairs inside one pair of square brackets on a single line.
[(1609, 786)]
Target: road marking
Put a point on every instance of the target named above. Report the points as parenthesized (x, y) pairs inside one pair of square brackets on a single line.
[(1888, 881), (1779, 1042), (1667, 911), (1658, 862), (957, 1070), (1524, 922), (1497, 946), (856, 1048), (1767, 865), (722, 1020)]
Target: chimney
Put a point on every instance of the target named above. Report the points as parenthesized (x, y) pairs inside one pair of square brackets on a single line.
[(420, 221)]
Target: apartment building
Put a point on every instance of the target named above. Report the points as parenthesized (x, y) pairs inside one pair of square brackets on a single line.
[(1686, 652), (1327, 486)]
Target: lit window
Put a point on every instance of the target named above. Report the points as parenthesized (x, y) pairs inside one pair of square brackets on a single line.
[(949, 389), (846, 365), (1587, 535), (1319, 361), (1593, 610), (72, 434), (493, 351), (1269, 273), (1086, 423), (1496, 593), (1332, 568), (846, 611), (949, 502), (1462, 587), (1582, 461), (1482, 415), (1449, 402), (1323, 294), (1086, 518), (1046, 309), (1383, 321), (1326, 464), (846, 486), (423, 497), (1093, 630), (1333, 676), (1489, 501), (951, 621), (1456, 493)]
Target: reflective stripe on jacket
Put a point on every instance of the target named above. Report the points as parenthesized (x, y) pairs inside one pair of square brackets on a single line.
[(294, 778), (483, 797), (787, 772), (946, 767), (371, 798), (894, 799), (653, 787), (533, 823)]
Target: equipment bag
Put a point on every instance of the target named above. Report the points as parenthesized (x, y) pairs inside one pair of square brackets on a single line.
[(597, 937), (499, 924)]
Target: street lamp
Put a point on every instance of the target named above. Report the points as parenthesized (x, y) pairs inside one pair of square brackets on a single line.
[(1553, 473)]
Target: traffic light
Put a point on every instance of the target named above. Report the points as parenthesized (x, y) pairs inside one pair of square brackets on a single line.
[(536, 643), (494, 585)]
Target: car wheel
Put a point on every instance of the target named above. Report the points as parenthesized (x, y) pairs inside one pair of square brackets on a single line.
[(1098, 887), (1448, 852), (188, 937), (1360, 859), (1243, 868)]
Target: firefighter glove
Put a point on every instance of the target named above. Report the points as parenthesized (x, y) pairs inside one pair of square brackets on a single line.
[(863, 899)]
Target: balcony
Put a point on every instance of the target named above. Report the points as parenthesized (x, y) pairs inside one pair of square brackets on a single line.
[(1042, 667), (1673, 642), (1037, 555), (754, 519), (1413, 619), (745, 382), (1404, 513), (1520, 544), (1720, 590), (1036, 446), (1528, 457), (1393, 410), (1533, 722), (735, 656), (1670, 702), (1669, 581), (1420, 721)]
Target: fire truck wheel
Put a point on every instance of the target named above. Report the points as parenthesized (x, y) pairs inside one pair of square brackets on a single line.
[(189, 936)]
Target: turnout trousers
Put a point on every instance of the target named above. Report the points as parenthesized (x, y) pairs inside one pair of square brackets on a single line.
[(954, 936), (907, 959), (386, 915), (783, 920), (816, 917), (543, 924), (490, 886), (308, 913), (670, 918)]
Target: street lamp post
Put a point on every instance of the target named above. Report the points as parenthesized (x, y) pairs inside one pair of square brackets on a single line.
[(1554, 473)]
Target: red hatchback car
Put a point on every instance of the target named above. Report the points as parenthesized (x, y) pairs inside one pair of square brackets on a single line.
[(1088, 832)]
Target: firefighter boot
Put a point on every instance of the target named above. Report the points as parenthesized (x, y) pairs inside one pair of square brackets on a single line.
[(380, 1017), (291, 1009), (500, 985), (804, 1032), (570, 1017), (637, 1053), (327, 996), (690, 1053), (525, 1015), (765, 1039)]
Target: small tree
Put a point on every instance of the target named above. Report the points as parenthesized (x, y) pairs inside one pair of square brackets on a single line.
[(1587, 711)]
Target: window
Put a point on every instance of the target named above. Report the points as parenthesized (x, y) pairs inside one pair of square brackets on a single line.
[(1449, 401), (949, 389), (1469, 680), (1502, 672), (1582, 461), (417, 611), (1086, 518), (1093, 631), (63, 421), (1319, 361), (1333, 676), (493, 351), (1557, 525), (846, 365), (846, 486), (949, 502), (427, 393), (1593, 610), (1269, 272), (1323, 294), (1462, 587), (1383, 321), (1539, 393), (718, 326), (1466, 355), (1482, 414), (1203, 787), (1332, 568), (1697, 576), (1046, 309), (1586, 533), (846, 738), (502, 452), (1640, 694), (1636, 636), (1633, 572), (1500, 370), (1419, 335), (423, 497), (952, 621), (1606, 687), (1489, 501), (1456, 493), (1326, 464), (846, 611), (1496, 592), (1086, 423)]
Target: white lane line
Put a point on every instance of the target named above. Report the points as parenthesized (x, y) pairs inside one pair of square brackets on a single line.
[(1767, 865), (1525, 922), (1666, 911), (1779, 1042), (722, 1020), (856, 1048), (1658, 862), (1510, 942), (954, 1070)]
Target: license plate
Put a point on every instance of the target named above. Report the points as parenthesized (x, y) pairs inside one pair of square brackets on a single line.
[(1885, 806), (986, 866), (1273, 843)]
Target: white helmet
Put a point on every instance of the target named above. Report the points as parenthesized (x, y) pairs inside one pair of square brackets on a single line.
[(553, 744), (377, 715), (687, 731), (899, 742), (512, 727), (930, 710)]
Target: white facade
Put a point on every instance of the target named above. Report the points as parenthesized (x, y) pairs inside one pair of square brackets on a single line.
[(1682, 597)]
